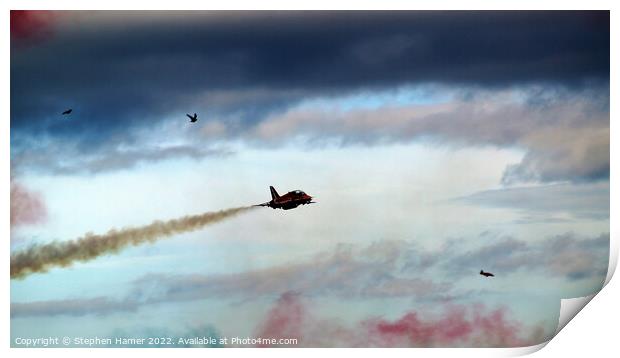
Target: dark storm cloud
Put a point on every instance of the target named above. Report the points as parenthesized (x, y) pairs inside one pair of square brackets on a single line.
[(348, 271), (73, 307), (565, 135), (384, 269), (565, 255), (550, 202), (119, 70), (105, 159)]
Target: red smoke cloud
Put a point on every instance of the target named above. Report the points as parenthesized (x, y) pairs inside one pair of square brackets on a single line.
[(29, 26), (411, 330), (285, 319), (458, 326), (27, 208)]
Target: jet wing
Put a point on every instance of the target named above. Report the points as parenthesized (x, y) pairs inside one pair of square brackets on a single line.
[(263, 204)]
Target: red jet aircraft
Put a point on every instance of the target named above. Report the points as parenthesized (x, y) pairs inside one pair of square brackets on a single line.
[(290, 200)]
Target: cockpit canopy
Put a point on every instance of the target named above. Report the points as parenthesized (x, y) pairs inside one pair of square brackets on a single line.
[(298, 192)]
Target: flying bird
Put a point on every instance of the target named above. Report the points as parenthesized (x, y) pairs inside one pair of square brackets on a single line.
[(486, 274), (68, 111), (192, 119)]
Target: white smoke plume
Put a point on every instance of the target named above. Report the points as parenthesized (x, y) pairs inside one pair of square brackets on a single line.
[(40, 258)]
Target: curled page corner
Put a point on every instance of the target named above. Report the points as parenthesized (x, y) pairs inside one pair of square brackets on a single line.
[(523, 351), (613, 259), (569, 307)]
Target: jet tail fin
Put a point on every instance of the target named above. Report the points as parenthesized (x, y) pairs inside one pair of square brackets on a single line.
[(274, 193)]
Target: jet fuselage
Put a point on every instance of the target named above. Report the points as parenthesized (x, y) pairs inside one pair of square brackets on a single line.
[(288, 201)]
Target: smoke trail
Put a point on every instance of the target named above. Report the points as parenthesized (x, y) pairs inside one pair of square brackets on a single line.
[(40, 258)]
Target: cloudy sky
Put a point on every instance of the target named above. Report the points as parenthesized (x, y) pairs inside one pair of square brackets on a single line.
[(436, 144)]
